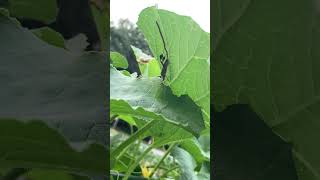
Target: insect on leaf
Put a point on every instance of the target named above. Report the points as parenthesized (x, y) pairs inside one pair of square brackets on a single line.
[(164, 59)]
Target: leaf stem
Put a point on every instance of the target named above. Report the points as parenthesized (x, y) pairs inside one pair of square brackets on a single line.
[(136, 162), (162, 159), (115, 153), (135, 151), (167, 172)]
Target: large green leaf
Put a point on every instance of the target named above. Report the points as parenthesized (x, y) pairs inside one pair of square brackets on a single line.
[(164, 132), (271, 61), (188, 53), (60, 90), (147, 99)]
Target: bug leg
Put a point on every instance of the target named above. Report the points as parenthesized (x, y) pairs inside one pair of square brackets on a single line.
[(162, 59)]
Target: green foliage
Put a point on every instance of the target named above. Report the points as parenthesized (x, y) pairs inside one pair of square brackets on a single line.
[(148, 99), (188, 53), (167, 113), (52, 113), (271, 62)]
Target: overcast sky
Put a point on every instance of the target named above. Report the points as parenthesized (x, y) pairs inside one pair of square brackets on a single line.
[(199, 10)]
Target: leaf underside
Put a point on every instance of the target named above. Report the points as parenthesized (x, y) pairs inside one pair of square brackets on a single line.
[(271, 61), (57, 90)]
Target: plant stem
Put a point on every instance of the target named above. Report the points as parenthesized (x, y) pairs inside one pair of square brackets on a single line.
[(123, 152), (137, 161), (131, 129), (167, 172), (132, 138), (136, 150), (162, 159)]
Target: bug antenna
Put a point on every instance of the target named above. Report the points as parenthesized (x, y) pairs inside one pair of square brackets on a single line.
[(164, 43)]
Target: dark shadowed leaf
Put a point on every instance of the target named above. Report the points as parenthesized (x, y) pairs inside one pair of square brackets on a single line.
[(62, 92), (245, 148), (271, 61)]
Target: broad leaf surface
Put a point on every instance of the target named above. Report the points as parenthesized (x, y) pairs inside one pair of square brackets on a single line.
[(188, 53), (63, 91), (147, 99), (271, 61)]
